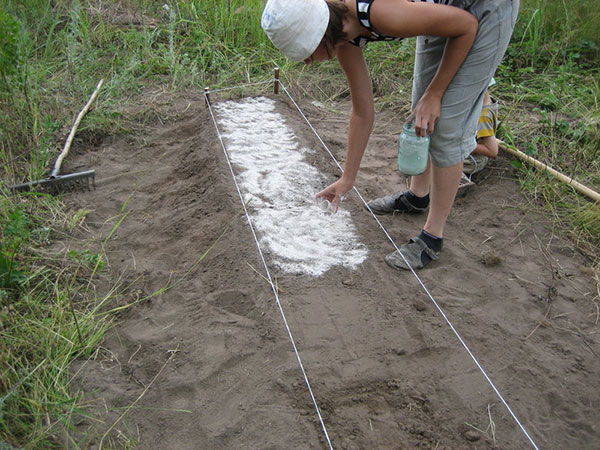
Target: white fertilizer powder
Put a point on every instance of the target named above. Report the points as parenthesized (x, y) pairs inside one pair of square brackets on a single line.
[(273, 174)]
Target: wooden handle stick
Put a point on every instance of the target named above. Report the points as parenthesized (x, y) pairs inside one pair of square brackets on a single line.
[(67, 146), (540, 165), (276, 81)]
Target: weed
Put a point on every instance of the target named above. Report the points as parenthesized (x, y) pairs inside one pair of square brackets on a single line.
[(9, 48), (15, 233), (87, 259)]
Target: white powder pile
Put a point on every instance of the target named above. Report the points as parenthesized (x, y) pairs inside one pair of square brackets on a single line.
[(271, 170)]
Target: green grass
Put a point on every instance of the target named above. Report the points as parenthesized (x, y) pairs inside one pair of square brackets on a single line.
[(47, 319), (550, 83), (52, 55)]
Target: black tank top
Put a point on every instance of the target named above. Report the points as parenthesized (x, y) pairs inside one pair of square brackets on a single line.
[(363, 8)]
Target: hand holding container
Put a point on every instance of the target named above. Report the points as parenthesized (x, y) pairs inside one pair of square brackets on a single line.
[(413, 151)]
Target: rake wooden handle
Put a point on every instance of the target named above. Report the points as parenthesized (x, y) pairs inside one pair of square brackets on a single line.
[(67, 146), (555, 173)]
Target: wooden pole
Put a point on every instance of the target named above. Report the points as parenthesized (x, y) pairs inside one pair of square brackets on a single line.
[(276, 81), (540, 165), (69, 141)]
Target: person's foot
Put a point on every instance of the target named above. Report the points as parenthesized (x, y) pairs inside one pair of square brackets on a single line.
[(416, 253), (465, 185), (400, 202), (474, 163)]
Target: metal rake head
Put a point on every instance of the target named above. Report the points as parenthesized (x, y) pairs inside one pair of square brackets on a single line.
[(60, 184)]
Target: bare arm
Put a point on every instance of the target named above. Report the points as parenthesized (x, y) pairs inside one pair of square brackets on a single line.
[(488, 146), (405, 19), (362, 117)]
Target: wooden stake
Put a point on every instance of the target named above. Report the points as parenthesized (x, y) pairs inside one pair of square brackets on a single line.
[(276, 81), (207, 95), (555, 173)]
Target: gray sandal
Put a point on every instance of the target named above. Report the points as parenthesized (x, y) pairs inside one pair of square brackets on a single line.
[(411, 255), (474, 163)]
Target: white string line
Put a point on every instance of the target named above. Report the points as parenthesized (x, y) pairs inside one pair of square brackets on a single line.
[(241, 86), (273, 287), (439, 308)]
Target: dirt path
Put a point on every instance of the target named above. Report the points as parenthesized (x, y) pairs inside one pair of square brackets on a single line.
[(385, 368)]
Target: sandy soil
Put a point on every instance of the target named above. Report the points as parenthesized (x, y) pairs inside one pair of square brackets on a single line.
[(208, 364)]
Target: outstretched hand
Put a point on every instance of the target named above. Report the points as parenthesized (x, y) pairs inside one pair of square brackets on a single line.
[(334, 192)]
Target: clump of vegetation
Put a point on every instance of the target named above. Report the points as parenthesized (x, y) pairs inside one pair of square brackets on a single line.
[(551, 81), (48, 317), (52, 55)]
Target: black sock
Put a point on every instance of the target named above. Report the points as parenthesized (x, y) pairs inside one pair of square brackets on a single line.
[(433, 242), (418, 202)]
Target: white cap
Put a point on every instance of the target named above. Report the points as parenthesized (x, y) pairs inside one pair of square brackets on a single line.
[(295, 27)]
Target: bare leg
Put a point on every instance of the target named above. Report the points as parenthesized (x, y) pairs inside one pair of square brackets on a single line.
[(419, 252), (420, 184), (444, 186)]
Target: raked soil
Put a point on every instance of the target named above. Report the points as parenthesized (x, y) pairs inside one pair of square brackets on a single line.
[(208, 363)]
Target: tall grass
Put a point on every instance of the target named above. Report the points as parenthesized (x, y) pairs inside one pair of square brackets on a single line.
[(52, 54), (46, 320), (550, 81), (550, 33), (58, 53)]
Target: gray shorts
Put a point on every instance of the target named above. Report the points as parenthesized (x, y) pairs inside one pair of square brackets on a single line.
[(454, 136)]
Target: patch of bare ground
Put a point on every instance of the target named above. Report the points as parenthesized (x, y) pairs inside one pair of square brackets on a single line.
[(208, 364)]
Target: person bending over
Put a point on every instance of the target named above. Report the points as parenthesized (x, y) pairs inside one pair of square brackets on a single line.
[(459, 46)]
